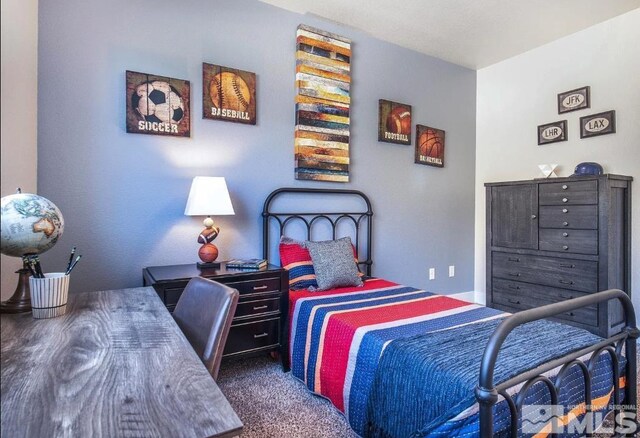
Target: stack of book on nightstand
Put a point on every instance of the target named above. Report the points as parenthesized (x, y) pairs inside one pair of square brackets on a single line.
[(254, 264)]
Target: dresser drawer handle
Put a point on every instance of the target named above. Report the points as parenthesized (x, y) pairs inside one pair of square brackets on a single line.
[(514, 259), (513, 301), (565, 200), (565, 247), (565, 187), (564, 297), (260, 307), (260, 287), (566, 265), (261, 335), (514, 287), (564, 210), (565, 234), (570, 314), (566, 224), (565, 281), (514, 274)]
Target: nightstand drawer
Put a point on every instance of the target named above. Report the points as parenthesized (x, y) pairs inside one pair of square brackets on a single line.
[(252, 336), (257, 307), (257, 286)]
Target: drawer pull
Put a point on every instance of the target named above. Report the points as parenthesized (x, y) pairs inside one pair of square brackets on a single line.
[(564, 210), (565, 200), (565, 234), (261, 335), (260, 287), (260, 307), (566, 224), (564, 297), (514, 259), (570, 314), (514, 287), (566, 265), (565, 281), (565, 247), (513, 301), (514, 274), (565, 187), (533, 216)]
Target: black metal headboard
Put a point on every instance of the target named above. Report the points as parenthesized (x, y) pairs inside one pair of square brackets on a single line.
[(361, 220)]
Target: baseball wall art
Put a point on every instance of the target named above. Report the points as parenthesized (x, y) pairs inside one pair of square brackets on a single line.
[(394, 123), (429, 146), (228, 94), (157, 105), (323, 81)]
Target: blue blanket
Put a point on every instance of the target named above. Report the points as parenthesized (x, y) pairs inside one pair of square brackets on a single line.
[(425, 380)]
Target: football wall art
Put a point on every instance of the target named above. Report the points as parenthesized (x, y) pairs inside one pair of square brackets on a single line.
[(323, 80), (157, 105), (394, 124), (429, 146), (228, 94)]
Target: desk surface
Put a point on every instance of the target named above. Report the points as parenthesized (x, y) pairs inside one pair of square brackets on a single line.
[(115, 365)]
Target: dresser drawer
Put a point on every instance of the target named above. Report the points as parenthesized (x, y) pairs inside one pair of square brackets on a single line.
[(583, 217), (257, 307), (253, 336), (568, 193), (575, 241), (579, 275), (522, 296), (257, 286)]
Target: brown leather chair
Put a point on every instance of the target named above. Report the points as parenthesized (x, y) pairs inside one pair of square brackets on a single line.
[(204, 313)]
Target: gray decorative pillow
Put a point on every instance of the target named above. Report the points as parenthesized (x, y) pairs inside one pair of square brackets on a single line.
[(334, 263)]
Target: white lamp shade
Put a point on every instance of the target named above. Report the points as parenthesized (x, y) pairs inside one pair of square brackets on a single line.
[(208, 197)]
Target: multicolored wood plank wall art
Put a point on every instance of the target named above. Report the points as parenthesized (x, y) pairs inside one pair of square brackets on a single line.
[(228, 94), (157, 105), (394, 123), (323, 79), (429, 146)]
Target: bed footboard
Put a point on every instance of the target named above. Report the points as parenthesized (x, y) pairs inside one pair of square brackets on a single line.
[(488, 394)]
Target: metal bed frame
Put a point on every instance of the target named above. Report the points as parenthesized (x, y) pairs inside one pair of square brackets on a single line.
[(487, 392)]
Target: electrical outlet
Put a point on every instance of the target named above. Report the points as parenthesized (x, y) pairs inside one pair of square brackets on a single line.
[(452, 271), (432, 273)]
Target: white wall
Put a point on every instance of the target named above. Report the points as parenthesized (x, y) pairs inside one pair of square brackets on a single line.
[(19, 109), (517, 95)]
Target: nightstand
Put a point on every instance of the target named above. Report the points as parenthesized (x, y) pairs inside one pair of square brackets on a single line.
[(260, 321)]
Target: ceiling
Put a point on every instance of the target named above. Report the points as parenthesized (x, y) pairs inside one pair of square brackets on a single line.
[(472, 33)]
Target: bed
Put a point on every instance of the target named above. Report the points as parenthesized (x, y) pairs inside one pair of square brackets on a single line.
[(400, 361)]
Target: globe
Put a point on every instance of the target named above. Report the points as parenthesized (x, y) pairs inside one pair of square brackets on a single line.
[(31, 224)]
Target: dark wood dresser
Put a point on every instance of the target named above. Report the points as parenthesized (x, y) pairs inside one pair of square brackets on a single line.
[(259, 323), (550, 240)]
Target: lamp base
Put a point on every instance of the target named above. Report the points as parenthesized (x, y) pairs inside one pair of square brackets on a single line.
[(20, 301), (211, 265)]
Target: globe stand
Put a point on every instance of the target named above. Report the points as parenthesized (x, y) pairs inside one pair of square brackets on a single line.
[(20, 301)]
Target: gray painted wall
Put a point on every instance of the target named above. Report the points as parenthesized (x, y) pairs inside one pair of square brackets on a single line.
[(123, 195)]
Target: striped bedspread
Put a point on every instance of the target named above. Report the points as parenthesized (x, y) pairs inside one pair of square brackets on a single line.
[(338, 337)]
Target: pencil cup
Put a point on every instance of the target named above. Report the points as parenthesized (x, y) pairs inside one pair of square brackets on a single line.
[(49, 295)]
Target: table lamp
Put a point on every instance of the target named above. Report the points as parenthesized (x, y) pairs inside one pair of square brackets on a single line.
[(208, 196)]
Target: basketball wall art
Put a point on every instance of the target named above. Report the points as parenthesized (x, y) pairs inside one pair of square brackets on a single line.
[(157, 105), (228, 94), (429, 146), (323, 80), (394, 124)]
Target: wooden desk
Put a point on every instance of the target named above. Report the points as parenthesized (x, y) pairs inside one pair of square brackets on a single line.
[(115, 365)]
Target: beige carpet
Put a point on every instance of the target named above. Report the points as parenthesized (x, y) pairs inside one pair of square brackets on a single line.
[(272, 404)]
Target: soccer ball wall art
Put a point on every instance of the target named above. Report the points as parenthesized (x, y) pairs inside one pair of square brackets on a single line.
[(157, 105)]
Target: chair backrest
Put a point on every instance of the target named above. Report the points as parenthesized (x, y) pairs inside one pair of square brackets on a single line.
[(204, 313)]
